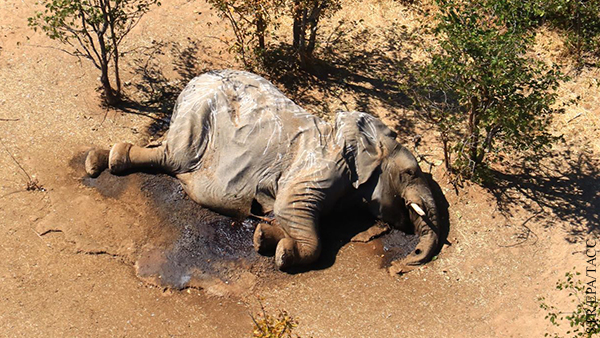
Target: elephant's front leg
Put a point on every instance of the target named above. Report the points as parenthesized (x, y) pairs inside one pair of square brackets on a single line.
[(267, 236), (298, 207)]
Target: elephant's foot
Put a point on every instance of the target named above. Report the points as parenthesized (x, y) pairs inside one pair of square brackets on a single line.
[(266, 237), (118, 159), (291, 252), (96, 162), (286, 253), (371, 233)]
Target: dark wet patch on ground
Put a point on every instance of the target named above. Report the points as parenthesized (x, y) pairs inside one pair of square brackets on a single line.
[(106, 184), (339, 229), (77, 162), (216, 252), (396, 245), (211, 250)]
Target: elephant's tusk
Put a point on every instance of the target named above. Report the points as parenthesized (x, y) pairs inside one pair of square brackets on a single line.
[(418, 209)]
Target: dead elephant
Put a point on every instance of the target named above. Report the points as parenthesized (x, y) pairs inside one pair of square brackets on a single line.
[(240, 147)]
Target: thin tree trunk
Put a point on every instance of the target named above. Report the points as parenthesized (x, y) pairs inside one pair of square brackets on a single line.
[(260, 30), (297, 24), (313, 21), (117, 76), (304, 58), (111, 21), (111, 97), (446, 152), (109, 94), (312, 40), (487, 143), (474, 131), (302, 42)]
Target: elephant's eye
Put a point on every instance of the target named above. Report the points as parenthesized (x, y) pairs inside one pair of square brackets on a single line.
[(410, 172)]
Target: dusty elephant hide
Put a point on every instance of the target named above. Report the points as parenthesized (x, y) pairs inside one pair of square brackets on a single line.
[(234, 138)]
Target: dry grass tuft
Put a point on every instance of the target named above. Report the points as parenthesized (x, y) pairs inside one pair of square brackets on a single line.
[(269, 326)]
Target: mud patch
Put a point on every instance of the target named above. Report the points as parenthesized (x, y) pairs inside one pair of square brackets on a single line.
[(394, 246), (172, 241), (188, 246), (371, 236), (107, 185), (211, 251)]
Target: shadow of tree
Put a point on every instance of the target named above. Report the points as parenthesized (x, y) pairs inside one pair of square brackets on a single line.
[(567, 184), (355, 69), (160, 73)]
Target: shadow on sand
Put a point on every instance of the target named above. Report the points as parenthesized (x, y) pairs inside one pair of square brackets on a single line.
[(567, 185), (160, 72), (349, 73)]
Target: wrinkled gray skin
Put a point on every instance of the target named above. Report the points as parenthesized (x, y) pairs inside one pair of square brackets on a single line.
[(240, 147)]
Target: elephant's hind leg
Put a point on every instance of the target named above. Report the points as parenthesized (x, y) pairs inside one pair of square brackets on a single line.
[(125, 157), (96, 162)]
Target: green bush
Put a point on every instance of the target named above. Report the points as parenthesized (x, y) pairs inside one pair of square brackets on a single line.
[(93, 29), (485, 95), (579, 21), (250, 21), (582, 321)]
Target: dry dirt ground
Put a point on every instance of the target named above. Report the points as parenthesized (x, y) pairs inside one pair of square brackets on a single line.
[(84, 257)]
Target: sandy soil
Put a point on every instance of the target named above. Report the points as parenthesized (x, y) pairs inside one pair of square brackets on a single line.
[(82, 257)]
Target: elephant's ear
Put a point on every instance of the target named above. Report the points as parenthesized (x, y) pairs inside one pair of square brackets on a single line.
[(366, 142)]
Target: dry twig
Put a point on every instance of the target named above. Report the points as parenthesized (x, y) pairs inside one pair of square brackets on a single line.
[(574, 117), (32, 183)]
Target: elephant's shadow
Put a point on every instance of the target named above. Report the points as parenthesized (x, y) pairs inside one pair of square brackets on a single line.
[(338, 230)]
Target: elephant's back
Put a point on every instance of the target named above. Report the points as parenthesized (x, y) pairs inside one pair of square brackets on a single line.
[(235, 112), (237, 133)]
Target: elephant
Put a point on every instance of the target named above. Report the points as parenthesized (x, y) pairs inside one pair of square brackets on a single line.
[(240, 147)]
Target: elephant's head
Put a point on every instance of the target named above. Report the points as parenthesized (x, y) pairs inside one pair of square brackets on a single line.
[(389, 179)]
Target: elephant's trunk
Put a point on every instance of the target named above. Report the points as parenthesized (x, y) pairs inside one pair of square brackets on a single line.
[(424, 216)]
